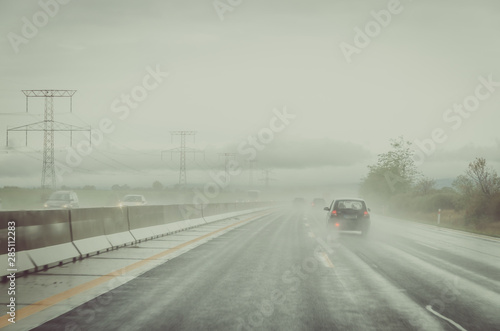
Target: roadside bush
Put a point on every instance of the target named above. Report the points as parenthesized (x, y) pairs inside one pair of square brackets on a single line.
[(443, 200), (476, 209), (431, 202), (401, 203), (494, 208)]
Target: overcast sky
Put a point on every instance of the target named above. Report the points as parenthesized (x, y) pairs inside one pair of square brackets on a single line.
[(226, 71)]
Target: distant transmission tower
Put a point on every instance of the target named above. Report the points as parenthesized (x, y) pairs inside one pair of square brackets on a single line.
[(48, 126), (267, 178), (250, 172), (182, 150), (227, 157)]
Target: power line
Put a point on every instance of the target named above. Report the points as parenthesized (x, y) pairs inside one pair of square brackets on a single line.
[(103, 154), (48, 126), (182, 150), (267, 176), (118, 143), (227, 158), (250, 172)]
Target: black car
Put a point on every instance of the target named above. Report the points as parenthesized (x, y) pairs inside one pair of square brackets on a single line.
[(349, 215), (318, 203), (299, 203)]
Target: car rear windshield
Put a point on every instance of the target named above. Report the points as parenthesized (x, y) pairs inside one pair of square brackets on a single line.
[(350, 204), (59, 196), (134, 198)]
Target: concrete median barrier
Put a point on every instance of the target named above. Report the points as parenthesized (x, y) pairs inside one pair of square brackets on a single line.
[(8, 239), (144, 219), (148, 222), (99, 229), (211, 210), (47, 237), (182, 217), (87, 226), (191, 215), (116, 227), (43, 235), (172, 217), (216, 212)]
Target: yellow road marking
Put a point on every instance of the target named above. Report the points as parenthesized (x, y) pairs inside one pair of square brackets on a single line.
[(327, 259), (49, 302)]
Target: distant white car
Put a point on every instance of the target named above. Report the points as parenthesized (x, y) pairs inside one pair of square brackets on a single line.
[(133, 200)]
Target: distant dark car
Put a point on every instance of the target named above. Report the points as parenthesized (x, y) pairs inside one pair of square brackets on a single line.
[(318, 203), (299, 203), (349, 215), (62, 199), (133, 200)]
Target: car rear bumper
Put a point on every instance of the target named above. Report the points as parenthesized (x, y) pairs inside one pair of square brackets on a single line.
[(342, 224)]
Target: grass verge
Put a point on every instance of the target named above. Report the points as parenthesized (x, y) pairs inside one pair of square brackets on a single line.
[(452, 219)]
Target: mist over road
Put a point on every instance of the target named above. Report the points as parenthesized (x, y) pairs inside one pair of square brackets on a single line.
[(284, 272)]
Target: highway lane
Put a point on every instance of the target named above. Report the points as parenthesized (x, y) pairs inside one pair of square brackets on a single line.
[(449, 273), (284, 272)]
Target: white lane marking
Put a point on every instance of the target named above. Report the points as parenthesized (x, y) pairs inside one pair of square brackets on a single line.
[(307, 224), (311, 234), (455, 324), (421, 243)]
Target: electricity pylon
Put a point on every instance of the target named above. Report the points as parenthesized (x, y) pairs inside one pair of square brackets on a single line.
[(182, 150), (48, 126), (250, 171), (267, 178), (227, 156)]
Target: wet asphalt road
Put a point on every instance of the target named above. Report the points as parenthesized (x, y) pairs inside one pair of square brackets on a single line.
[(285, 272)]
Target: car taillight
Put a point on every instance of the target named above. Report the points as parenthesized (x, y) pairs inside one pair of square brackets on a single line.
[(337, 224), (365, 213), (334, 213)]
